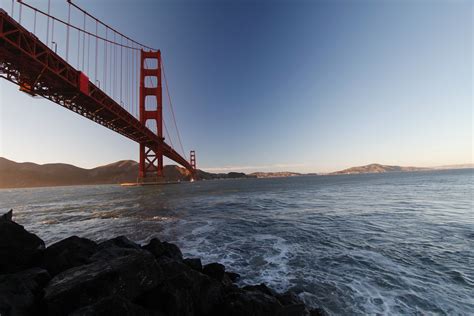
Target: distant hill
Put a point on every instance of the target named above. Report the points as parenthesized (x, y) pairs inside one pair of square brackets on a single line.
[(275, 174), (27, 174), (377, 168)]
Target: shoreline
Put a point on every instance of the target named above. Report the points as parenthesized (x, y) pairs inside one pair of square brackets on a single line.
[(77, 276)]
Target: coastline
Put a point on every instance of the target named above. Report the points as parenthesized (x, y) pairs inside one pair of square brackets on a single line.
[(77, 276)]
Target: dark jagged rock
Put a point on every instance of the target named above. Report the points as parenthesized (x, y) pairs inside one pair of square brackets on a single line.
[(214, 270), (294, 310), (261, 288), (114, 248), (19, 249), (118, 277), (289, 298), (68, 253), (20, 292), (184, 291), (120, 242), (7, 217), (110, 306), (239, 302), (234, 277), (158, 249), (128, 276), (317, 312), (194, 263)]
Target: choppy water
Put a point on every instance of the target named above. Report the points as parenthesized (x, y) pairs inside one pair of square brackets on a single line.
[(364, 244)]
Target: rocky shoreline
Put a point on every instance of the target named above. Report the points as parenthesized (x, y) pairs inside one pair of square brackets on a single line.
[(77, 276)]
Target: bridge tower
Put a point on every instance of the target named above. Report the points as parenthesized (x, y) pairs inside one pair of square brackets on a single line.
[(151, 110)]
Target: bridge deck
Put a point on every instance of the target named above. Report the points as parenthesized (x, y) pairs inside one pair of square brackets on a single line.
[(27, 62)]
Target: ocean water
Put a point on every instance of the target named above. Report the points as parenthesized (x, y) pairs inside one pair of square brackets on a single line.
[(399, 243)]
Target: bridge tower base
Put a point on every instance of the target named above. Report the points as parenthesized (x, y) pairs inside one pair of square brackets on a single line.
[(151, 115)]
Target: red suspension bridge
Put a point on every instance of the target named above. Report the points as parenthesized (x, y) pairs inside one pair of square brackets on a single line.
[(96, 72)]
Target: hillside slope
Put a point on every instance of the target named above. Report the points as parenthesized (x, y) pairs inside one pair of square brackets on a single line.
[(376, 168), (27, 174)]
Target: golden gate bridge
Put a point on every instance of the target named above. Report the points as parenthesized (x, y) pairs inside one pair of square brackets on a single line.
[(96, 72)]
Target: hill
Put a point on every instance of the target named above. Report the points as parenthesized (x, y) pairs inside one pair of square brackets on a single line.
[(275, 174), (377, 168), (27, 174)]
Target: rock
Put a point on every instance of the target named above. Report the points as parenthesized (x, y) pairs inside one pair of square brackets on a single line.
[(109, 306), (239, 302), (234, 277), (68, 253), (19, 249), (128, 276), (184, 291), (194, 263), (120, 242), (172, 297), (261, 288), (294, 310), (289, 298), (317, 312), (20, 292), (7, 217), (158, 249), (115, 248), (214, 270)]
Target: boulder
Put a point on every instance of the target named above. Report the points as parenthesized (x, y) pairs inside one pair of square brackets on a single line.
[(214, 270), (19, 249), (317, 312), (115, 248), (295, 310), (185, 291), (289, 298), (239, 302), (119, 242), (159, 249), (7, 217), (234, 277), (20, 292), (68, 253), (109, 306), (128, 276), (261, 288), (194, 263)]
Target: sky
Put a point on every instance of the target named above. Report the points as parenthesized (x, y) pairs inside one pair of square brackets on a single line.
[(307, 86)]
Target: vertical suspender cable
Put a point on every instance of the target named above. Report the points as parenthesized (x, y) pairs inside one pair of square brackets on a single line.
[(19, 18), (47, 23), (52, 33), (84, 42), (112, 70), (88, 52), (34, 24), (121, 63), (111, 82), (133, 80), (96, 48), (105, 61), (67, 31), (78, 48), (13, 8)]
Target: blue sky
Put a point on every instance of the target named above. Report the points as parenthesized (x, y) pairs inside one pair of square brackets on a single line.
[(281, 85)]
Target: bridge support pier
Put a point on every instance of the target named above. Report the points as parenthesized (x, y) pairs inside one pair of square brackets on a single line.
[(151, 115)]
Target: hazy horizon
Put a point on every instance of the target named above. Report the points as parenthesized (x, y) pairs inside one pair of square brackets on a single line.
[(250, 169), (280, 86)]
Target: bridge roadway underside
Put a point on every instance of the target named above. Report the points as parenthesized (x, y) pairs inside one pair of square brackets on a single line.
[(27, 62)]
